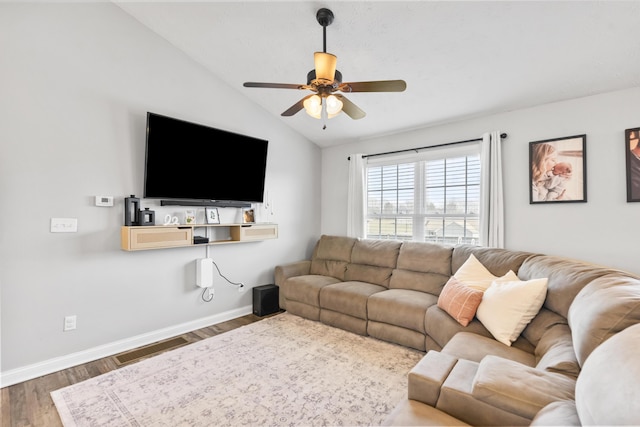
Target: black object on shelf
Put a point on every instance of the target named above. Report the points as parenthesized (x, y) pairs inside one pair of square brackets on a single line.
[(146, 217), (266, 300), (198, 240), (131, 210)]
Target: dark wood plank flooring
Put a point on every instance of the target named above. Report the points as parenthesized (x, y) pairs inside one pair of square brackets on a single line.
[(29, 404)]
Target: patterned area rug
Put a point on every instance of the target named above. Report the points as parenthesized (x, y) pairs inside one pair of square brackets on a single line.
[(280, 371)]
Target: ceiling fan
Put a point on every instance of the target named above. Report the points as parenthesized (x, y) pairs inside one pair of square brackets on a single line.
[(324, 80)]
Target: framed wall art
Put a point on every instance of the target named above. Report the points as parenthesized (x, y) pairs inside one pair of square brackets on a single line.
[(212, 216), (632, 149), (558, 170), (248, 216)]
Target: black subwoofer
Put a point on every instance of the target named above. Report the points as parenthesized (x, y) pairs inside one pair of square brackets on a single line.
[(265, 300)]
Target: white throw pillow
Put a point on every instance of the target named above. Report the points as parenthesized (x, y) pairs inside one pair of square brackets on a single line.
[(476, 276), (508, 307)]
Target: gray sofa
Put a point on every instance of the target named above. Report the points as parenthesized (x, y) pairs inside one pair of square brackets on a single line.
[(390, 290)]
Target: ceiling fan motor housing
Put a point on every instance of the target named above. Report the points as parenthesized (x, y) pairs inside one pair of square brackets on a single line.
[(311, 78)]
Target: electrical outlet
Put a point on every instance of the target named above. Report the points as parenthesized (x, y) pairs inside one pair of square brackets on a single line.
[(69, 323), (242, 288)]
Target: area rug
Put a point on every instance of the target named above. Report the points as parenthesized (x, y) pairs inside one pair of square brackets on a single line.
[(280, 371)]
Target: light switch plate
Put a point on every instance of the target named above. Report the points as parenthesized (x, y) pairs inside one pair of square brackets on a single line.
[(64, 225)]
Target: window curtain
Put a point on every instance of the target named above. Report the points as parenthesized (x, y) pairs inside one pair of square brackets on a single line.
[(491, 192), (356, 203)]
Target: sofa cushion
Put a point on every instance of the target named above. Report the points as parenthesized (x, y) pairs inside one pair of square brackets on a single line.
[(517, 388), (539, 325), (331, 255), (400, 307), (603, 308), (306, 289), (422, 267), (459, 301), (372, 261), (508, 307), (348, 297), (381, 253), (497, 261), (607, 391), (469, 346), (457, 400), (441, 327), (566, 278), (560, 413), (554, 352)]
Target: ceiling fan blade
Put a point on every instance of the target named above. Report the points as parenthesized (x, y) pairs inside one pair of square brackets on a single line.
[(274, 85), (296, 107), (325, 65), (375, 86), (351, 109)]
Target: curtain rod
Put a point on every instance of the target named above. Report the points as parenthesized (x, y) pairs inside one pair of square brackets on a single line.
[(502, 135)]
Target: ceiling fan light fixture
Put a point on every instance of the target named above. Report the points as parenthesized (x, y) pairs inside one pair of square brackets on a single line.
[(334, 106), (313, 106), (325, 64)]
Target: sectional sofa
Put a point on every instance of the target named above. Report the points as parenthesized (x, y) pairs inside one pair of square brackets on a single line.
[(506, 333)]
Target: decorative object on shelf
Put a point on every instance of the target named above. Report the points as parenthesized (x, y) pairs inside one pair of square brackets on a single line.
[(632, 149), (170, 220), (147, 217), (248, 216), (190, 217), (212, 216), (558, 170), (131, 210)]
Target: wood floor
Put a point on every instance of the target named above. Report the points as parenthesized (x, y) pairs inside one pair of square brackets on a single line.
[(29, 404)]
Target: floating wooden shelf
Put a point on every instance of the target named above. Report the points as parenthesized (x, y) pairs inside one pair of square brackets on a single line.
[(140, 238)]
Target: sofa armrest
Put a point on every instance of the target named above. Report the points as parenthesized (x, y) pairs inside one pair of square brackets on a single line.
[(298, 268), (517, 388), (426, 378)]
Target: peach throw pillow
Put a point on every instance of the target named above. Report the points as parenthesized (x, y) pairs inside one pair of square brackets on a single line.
[(459, 301)]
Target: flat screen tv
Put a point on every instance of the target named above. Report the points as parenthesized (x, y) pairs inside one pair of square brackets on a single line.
[(192, 162)]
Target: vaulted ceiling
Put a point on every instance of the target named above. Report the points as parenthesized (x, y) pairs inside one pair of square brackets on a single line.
[(460, 59)]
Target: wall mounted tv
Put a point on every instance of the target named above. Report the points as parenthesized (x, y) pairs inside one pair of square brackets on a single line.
[(192, 164)]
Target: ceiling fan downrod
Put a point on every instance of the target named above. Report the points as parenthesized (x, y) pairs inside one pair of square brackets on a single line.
[(325, 18)]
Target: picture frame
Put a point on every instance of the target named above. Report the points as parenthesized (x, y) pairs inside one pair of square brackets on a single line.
[(632, 155), (248, 216), (212, 215), (558, 170)]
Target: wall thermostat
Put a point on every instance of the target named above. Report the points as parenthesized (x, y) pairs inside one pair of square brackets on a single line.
[(104, 200)]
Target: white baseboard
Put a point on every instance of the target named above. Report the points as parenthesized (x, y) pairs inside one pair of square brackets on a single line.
[(39, 369)]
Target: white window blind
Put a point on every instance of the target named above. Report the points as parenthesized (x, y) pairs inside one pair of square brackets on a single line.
[(431, 196)]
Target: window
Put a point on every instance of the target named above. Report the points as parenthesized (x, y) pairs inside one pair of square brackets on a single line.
[(430, 198)]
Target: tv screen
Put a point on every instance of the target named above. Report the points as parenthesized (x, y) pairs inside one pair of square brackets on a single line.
[(190, 161)]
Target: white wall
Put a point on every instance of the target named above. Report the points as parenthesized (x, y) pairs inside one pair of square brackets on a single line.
[(603, 230), (76, 83)]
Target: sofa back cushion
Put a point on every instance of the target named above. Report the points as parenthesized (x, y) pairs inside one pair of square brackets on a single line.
[(554, 352), (423, 267), (331, 256), (566, 278), (372, 261), (497, 261), (603, 308)]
